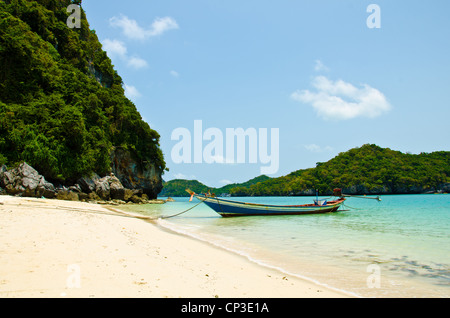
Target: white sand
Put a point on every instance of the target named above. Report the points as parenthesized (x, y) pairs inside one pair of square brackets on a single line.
[(51, 248)]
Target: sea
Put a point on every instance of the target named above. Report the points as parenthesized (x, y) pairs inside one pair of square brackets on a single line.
[(396, 247)]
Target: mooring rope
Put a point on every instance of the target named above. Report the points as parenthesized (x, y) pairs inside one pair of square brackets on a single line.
[(174, 215), (159, 217), (347, 206)]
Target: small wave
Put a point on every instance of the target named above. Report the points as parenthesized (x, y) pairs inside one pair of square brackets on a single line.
[(190, 232)]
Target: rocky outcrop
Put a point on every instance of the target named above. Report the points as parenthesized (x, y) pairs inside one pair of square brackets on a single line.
[(445, 187), (110, 187), (26, 181), (116, 189), (136, 175), (87, 183)]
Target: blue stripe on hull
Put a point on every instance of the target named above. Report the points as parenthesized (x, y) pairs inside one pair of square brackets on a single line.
[(232, 208)]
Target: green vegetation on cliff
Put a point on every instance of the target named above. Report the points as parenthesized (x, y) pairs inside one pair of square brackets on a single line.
[(364, 170), (62, 104), (177, 187), (368, 169)]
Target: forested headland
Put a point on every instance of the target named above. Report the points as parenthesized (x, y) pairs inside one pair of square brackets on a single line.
[(368, 169), (62, 104), (66, 127)]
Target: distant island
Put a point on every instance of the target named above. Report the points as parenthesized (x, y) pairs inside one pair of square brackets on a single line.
[(368, 169)]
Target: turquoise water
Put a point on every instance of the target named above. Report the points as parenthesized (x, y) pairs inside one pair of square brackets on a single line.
[(399, 247)]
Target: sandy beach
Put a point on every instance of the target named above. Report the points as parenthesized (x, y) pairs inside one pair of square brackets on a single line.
[(52, 248)]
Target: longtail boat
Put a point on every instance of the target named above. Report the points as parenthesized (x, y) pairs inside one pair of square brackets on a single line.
[(230, 208)]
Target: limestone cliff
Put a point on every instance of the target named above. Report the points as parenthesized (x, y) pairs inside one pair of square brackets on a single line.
[(136, 175)]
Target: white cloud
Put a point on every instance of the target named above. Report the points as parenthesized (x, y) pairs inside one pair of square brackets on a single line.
[(174, 73), (117, 49), (340, 100), (131, 92), (225, 181), (114, 48), (319, 66), (184, 176), (132, 30), (161, 25), (317, 148), (137, 62)]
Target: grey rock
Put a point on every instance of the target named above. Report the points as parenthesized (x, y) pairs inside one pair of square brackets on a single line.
[(110, 187), (102, 188), (87, 183), (45, 189), (25, 180), (117, 190), (75, 188), (3, 169)]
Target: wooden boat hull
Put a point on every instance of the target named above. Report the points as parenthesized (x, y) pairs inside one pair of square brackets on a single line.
[(229, 208)]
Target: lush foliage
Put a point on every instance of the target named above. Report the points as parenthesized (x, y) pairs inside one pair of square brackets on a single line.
[(62, 105), (241, 189), (177, 187), (368, 169)]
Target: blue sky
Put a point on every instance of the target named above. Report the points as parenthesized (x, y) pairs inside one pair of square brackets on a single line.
[(312, 69)]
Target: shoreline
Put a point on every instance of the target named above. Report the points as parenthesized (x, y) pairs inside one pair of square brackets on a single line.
[(52, 248), (256, 262)]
